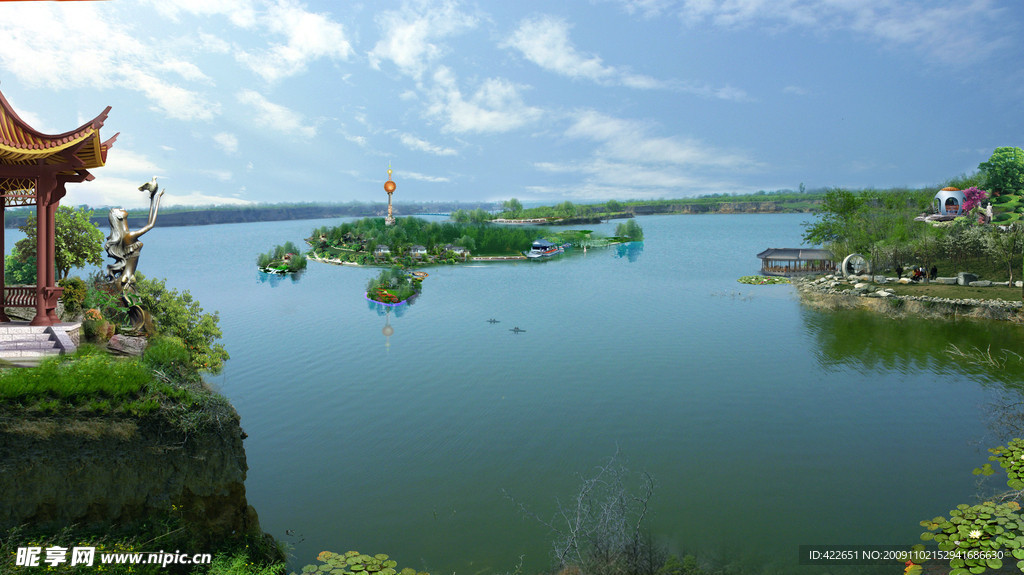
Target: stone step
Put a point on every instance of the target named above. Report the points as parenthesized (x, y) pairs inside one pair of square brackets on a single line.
[(27, 353), (23, 328), (25, 336), (47, 344)]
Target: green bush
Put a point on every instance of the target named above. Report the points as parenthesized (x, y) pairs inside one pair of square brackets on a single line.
[(168, 355), (178, 315), (97, 330), (1003, 199), (74, 293), (1001, 217)]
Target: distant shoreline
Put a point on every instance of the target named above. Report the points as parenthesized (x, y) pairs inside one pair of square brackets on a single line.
[(273, 213)]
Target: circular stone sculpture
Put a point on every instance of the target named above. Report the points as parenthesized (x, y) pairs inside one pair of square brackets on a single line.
[(855, 264)]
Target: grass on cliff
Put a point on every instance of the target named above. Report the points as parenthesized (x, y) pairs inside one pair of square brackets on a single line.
[(92, 383), (245, 556)]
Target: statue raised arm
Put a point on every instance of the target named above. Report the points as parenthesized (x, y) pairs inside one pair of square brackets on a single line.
[(122, 243)]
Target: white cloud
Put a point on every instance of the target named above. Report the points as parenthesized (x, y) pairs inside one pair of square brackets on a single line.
[(196, 198), (123, 161), (942, 29), (629, 140), (630, 162), (222, 175), (414, 143), (242, 13), (227, 142), (308, 36), (495, 107), (544, 40), (411, 37), (275, 116), (424, 178), (121, 192), (64, 46), (358, 140)]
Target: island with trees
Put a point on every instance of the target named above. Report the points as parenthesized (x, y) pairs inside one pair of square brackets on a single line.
[(394, 286), (413, 242), (283, 259)]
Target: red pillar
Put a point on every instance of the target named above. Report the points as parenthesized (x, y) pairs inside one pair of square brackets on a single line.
[(44, 235), (51, 257), (3, 252)]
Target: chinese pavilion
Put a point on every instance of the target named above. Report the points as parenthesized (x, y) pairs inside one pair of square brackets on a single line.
[(34, 169)]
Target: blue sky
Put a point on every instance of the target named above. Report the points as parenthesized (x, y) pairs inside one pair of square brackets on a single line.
[(236, 101)]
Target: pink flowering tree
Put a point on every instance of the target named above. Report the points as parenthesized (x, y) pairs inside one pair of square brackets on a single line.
[(973, 198)]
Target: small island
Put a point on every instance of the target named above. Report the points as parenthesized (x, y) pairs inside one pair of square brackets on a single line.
[(282, 260), (395, 286), (412, 242)]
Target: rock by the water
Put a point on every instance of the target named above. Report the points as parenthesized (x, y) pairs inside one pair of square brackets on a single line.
[(980, 283), (127, 344), (965, 278)]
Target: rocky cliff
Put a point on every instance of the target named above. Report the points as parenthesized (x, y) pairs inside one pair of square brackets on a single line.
[(108, 471)]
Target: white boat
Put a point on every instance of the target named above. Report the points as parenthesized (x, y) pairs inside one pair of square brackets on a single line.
[(544, 249)]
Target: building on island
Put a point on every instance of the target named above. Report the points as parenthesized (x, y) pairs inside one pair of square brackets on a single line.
[(417, 250), (795, 262), (949, 202)]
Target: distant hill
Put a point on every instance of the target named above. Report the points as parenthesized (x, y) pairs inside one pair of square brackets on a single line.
[(169, 217)]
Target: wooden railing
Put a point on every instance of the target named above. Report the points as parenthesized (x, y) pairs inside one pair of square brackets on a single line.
[(20, 296)]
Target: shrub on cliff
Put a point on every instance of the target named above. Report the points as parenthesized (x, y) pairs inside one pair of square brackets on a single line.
[(179, 315)]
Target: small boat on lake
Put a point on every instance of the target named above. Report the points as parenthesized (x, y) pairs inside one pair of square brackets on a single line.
[(544, 249)]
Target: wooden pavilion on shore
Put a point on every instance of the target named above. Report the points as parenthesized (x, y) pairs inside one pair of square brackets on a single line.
[(795, 262), (34, 169)]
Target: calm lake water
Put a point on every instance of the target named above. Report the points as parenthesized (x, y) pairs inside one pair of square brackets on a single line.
[(765, 425)]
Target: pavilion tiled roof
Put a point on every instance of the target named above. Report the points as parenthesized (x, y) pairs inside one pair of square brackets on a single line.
[(79, 149)]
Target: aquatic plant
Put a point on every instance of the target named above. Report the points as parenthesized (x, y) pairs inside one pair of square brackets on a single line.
[(979, 537), (763, 280), (977, 534), (356, 563), (1010, 458)]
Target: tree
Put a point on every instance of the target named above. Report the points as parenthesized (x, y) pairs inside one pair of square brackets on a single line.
[(836, 211), (613, 206), (1004, 171), (630, 229), (1005, 246), (514, 207), (77, 241)]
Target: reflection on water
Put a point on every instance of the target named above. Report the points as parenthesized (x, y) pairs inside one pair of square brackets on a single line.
[(630, 250), (383, 309), (869, 341), (275, 280)]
